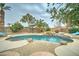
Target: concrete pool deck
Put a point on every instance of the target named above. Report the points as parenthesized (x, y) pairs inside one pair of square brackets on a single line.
[(5, 45), (71, 49), (67, 50), (34, 46)]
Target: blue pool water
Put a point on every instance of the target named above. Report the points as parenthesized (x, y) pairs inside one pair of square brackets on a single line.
[(2, 33), (40, 37), (76, 33)]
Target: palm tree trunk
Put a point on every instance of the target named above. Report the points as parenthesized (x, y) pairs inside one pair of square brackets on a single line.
[(1, 20)]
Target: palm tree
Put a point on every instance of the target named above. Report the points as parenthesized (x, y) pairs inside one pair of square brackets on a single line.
[(2, 14)]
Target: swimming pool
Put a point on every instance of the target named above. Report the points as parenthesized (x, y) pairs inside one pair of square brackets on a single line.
[(56, 39), (2, 33), (76, 33)]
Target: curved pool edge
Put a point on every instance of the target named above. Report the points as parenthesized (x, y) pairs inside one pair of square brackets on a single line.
[(25, 34), (17, 35), (8, 36)]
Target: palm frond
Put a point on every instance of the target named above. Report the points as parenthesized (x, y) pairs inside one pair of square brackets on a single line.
[(7, 8)]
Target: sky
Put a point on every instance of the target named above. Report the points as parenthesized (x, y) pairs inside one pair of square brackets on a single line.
[(38, 10)]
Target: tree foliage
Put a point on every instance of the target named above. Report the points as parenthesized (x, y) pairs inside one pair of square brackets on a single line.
[(28, 18), (43, 26), (67, 13), (33, 22)]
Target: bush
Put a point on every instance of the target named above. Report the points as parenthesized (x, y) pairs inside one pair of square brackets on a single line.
[(73, 30), (47, 29), (16, 27)]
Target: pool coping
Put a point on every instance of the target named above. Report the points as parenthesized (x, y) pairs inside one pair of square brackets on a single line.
[(13, 35), (26, 34)]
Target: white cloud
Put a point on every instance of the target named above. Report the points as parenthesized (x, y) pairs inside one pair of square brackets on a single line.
[(38, 10)]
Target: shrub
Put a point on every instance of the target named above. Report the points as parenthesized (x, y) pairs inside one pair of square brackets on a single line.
[(73, 30), (16, 27), (47, 29)]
